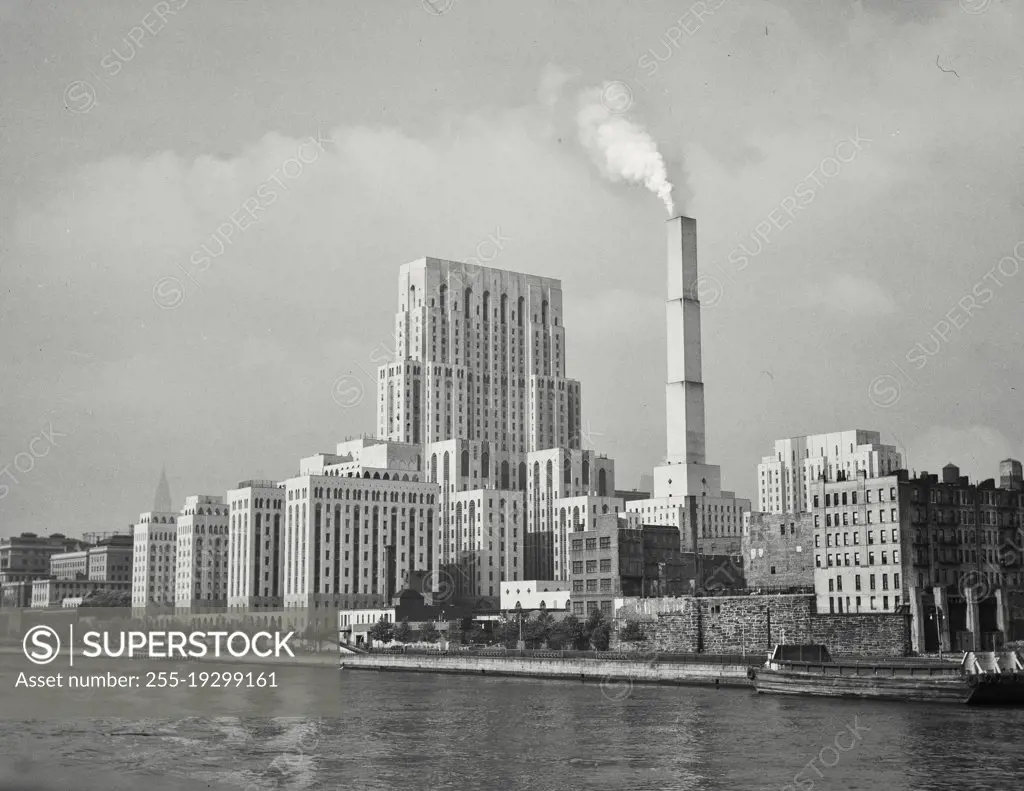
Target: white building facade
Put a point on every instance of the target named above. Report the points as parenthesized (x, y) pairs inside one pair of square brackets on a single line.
[(786, 478), (255, 553), (201, 563), (478, 382), (154, 557)]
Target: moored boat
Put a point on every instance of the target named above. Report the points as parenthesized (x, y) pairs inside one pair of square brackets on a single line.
[(988, 678)]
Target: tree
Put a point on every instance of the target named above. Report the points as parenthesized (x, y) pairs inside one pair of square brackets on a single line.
[(632, 632), (403, 632), (597, 631), (382, 631), (429, 633), (107, 599), (567, 634), (476, 634), (545, 623), (534, 632)]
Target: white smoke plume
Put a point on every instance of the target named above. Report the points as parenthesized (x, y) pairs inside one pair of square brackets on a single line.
[(621, 149)]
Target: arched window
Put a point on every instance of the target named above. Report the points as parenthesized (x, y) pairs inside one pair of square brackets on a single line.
[(519, 311), (469, 291), (485, 465), (504, 308), (433, 467), (549, 480), (412, 297), (443, 297), (522, 476), (487, 306), (447, 467), (504, 475), (464, 466), (601, 483), (544, 312), (586, 472), (567, 469)]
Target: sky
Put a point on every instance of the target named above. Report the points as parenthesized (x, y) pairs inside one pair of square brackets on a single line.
[(855, 170)]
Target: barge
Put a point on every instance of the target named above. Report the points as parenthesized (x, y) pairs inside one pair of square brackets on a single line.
[(981, 678)]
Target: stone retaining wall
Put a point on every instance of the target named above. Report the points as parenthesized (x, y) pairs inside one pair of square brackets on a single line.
[(754, 624)]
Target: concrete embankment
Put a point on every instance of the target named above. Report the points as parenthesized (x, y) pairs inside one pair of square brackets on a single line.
[(602, 670)]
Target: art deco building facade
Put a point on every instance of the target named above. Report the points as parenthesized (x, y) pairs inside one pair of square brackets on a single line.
[(355, 530), (479, 383), (480, 355), (154, 556), (201, 563), (255, 553), (785, 479)]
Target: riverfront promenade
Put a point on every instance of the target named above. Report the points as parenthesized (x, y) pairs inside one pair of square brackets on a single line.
[(709, 670)]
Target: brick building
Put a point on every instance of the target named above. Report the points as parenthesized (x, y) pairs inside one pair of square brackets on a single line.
[(621, 557), (778, 550), (948, 550)]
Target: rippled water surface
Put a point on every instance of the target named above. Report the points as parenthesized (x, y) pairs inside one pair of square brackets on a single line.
[(411, 731)]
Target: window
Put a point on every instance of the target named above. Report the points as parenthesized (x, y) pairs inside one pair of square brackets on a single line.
[(856, 582), (782, 530), (606, 565), (577, 567), (831, 585), (817, 541), (817, 561), (591, 586), (577, 586), (773, 569), (591, 543), (885, 583), (591, 566), (606, 585), (577, 544), (856, 558), (839, 584), (871, 584), (606, 542)]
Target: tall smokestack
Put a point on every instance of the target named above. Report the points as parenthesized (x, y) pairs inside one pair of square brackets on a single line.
[(684, 387)]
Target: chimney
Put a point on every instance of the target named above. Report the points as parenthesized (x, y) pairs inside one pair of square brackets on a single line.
[(684, 387)]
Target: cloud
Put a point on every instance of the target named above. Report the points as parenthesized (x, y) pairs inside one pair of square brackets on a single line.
[(855, 296), (976, 450)]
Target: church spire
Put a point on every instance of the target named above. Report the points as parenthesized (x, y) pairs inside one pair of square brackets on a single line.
[(162, 499)]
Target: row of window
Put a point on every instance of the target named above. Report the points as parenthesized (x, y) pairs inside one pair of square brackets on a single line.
[(844, 559)]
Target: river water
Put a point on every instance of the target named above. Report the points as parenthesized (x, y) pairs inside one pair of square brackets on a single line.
[(417, 731)]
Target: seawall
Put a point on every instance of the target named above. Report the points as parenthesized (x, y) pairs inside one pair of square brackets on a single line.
[(600, 670)]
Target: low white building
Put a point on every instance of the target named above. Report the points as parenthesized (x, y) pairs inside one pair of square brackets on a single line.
[(535, 594)]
